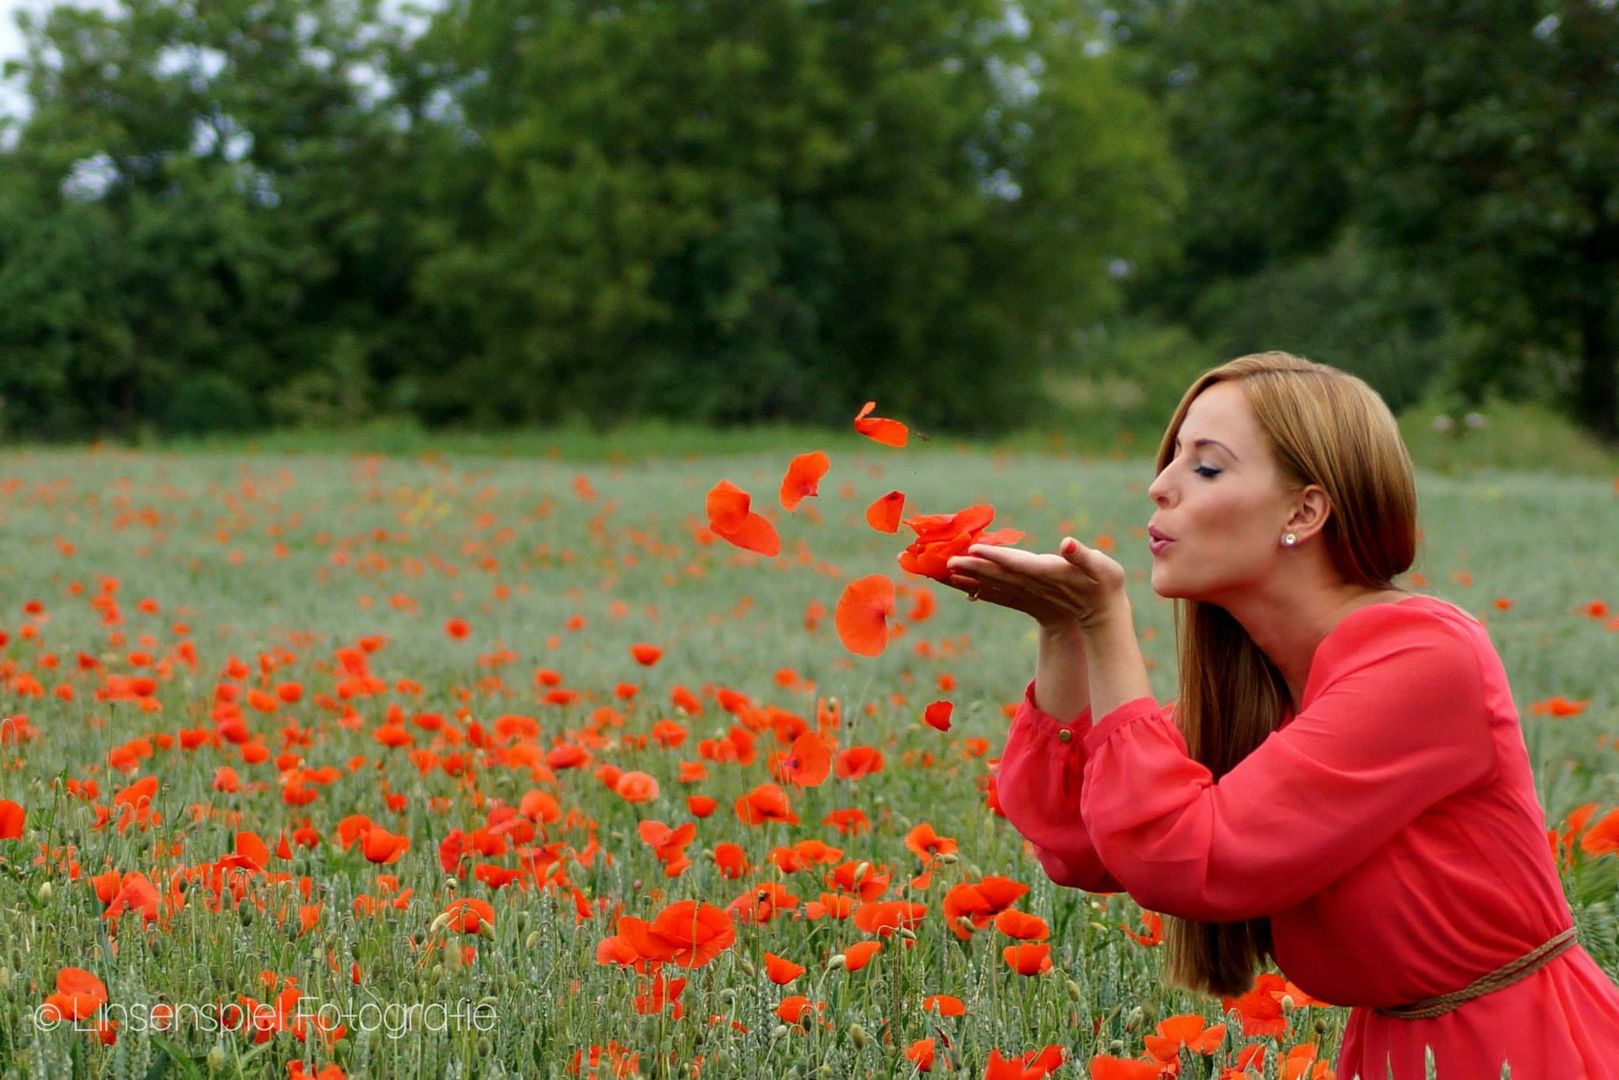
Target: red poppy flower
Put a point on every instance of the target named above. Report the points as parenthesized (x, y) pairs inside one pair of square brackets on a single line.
[(469, 914), (636, 787), (796, 1009), (782, 971), (767, 802), (686, 933), (859, 954), (1028, 959), (1022, 925), (457, 628), (730, 517), (921, 1054), (646, 655), (1603, 837), (79, 993), (382, 846), (1190, 1031), (940, 537), (937, 715), (1108, 1067), (1261, 1007), (971, 905), (1033, 1065), (858, 761), (945, 1004), (12, 816), (803, 478), (883, 515), (878, 429), (883, 917), (807, 761), (863, 613)]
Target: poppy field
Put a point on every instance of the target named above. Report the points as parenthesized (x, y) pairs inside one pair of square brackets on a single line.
[(342, 765)]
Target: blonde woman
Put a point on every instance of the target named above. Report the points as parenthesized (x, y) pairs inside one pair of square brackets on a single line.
[(1342, 785)]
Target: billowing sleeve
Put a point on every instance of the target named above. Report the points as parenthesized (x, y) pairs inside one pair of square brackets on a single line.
[(1399, 723), (1038, 785)]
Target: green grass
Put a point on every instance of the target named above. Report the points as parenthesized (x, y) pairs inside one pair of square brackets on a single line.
[(491, 530), (1084, 418)]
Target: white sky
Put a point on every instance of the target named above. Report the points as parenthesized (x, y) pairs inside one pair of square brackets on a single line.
[(12, 101)]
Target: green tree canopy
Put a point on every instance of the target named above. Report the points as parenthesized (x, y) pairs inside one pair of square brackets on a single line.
[(742, 209), (1475, 145)]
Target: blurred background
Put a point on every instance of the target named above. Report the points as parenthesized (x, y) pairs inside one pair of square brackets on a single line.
[(229, 216)]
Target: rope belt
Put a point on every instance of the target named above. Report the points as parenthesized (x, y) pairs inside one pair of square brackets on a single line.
[(1504, 976)]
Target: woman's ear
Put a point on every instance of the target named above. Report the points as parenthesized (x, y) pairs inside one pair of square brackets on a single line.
[(1311, 511)]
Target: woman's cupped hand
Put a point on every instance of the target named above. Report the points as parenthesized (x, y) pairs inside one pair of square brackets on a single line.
[(1077, 584)]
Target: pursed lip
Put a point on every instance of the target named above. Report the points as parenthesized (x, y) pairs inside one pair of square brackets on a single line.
[(1154, 532)]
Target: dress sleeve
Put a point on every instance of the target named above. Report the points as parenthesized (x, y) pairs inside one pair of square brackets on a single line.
[(1399, 723), (1038, 785)]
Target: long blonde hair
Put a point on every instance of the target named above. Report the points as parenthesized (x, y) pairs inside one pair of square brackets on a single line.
[(1326, 427)]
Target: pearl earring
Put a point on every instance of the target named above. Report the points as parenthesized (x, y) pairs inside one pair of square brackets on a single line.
[(1289, 539)]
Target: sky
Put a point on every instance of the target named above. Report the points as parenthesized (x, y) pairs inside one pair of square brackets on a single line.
[(12, 101)]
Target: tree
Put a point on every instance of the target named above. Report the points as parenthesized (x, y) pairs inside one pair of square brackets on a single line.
[(744, 209), (188, 201), (1476, 144)]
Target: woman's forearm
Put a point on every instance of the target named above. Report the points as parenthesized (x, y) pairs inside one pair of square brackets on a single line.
[(1112, 651), (1060, 684)]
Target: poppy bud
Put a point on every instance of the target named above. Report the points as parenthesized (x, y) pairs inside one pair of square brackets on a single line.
[(1073, 989), (779, 1031), (441, 922), (45, 892), (858, 1035), (837, 961), (533, 940), (216, 1058), (947, 858), (1134, 1018), (1288, 1004)]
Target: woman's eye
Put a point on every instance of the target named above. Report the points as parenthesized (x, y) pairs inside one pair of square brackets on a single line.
[(1207, 471)]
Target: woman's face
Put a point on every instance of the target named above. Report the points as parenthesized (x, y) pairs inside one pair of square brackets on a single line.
[(1222, 501)]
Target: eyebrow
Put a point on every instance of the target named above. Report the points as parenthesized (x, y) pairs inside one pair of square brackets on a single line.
[(1212, 442)]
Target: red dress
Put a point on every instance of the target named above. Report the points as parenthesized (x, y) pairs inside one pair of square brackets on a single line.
[(1390, 831)]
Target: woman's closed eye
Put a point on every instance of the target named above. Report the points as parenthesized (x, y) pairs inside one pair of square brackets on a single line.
[(1208, 471)]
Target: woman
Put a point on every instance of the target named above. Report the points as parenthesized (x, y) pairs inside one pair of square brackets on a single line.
[(1343, 786)]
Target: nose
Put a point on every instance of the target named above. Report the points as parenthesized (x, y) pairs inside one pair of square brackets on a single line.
[(1158, 490)]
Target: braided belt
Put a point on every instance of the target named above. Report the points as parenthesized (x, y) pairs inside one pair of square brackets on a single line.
[(1504, 976)]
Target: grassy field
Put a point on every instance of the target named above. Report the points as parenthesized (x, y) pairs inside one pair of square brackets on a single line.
[(281, 688)]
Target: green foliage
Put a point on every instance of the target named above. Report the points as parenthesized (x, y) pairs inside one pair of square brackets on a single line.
[(1476, 148), (721, 212), (743, 210), (188, 206), (209, 402), (1348, 306)]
